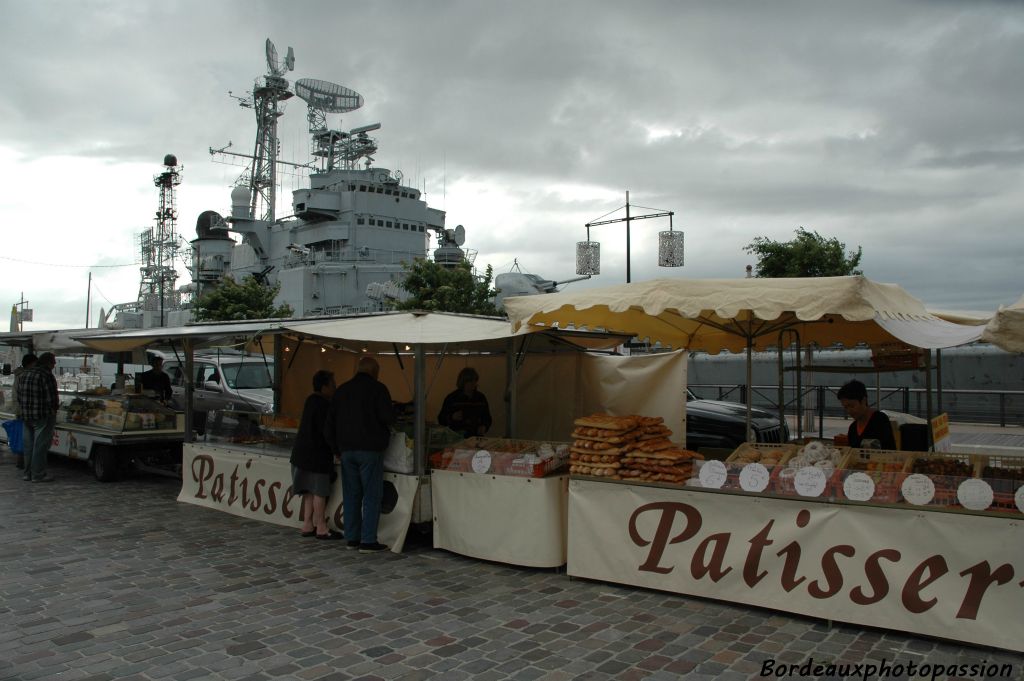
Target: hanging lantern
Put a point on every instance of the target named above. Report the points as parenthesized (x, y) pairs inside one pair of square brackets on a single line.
[(588, 257), (670, 249)]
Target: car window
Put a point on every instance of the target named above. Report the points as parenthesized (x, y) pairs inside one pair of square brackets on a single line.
[(174, 370), (206, 372), (248, 375)]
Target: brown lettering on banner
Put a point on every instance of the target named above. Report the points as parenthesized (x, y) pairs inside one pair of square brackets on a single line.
[(833, 575), (245, 485), (234, 481), (982, 578), (699, 564), (272, 498), (204, 473), (339, 514), (757, 544), (286, 503), (257, 495), (917, 582), (217, 491), (792, 552), (876, 577), (661, 534)]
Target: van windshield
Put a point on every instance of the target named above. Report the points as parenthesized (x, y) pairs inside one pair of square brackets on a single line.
[(248, 375)]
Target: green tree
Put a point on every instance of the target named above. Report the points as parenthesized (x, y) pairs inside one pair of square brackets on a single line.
[(438, 288), (230, 300), (808, 255)]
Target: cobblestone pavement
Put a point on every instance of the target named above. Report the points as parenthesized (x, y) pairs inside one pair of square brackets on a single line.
[(120, 581)]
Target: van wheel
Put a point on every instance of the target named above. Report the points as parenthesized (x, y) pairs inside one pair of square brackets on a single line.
[(104, 464)]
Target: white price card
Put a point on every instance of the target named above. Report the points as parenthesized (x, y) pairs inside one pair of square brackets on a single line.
[(918, 489), (859, 487), (809, 481), (974, 494), (713, 474), (481, 462), (754, 477), (1019, 498)]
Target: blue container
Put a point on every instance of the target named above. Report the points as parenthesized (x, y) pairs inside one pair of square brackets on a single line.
[(15, 432)]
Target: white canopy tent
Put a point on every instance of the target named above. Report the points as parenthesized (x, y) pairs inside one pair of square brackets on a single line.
[(1006, 328)]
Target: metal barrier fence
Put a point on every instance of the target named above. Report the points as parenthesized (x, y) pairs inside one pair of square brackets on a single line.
[(996, 407)]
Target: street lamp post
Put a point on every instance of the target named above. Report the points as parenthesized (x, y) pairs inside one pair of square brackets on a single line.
[(670, 245)]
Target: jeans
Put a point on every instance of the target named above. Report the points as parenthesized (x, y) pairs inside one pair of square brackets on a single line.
[(37, 445), (362, 487)]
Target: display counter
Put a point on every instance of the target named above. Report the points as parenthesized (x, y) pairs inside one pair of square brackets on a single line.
[(502, 500), (924, 542)]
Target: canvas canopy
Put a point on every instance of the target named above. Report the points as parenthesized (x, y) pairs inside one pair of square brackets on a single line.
[(736, 314), (1006, 328)]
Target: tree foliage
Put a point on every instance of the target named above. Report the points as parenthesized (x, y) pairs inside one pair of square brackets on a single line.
[(808, 255), (230, 300), (438, 288)]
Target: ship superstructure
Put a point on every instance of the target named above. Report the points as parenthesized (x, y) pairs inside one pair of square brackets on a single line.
[(342, 249)]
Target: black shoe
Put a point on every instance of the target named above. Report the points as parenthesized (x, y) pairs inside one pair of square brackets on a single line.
[(331, 535), (375, 547), (352, 545), (45, 478)]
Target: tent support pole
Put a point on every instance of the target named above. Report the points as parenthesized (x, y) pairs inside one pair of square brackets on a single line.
[(938, 379), (190, 389), (419, 413), (510, 388), (750, 382), (928, 392)]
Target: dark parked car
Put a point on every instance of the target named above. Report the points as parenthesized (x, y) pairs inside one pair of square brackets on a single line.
[(713, 423)]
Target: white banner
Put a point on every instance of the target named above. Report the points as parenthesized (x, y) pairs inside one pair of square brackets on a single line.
[(259, 486), (949, 575)]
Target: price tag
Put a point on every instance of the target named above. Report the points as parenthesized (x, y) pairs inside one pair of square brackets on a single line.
[(918, 489), (974, 494), (1019, 498), (859, 487), (481, 462), (713, 474), (754, 478), (809, 481)]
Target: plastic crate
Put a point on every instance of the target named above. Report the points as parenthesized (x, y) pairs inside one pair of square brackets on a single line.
[(1005, 474), (782, 482), (946, 470), (886, 467)]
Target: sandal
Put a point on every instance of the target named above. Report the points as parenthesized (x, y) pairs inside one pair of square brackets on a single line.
[(331, 535)]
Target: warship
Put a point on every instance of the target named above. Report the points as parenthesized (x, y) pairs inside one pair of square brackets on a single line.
[(342, 249)]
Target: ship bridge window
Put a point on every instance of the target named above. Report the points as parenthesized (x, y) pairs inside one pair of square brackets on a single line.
[(405, 195), (351, 187), (362, 187), (421, 228), (389, 223), (380, 190), (387, 192), (360, 221), (405, 227)]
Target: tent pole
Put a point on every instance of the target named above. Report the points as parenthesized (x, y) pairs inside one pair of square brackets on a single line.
[(190, 377), (928, 392), (938, 380), (510, 388), (750, 382), (419, 411)]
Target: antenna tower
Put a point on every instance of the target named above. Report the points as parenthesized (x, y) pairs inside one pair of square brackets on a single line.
[(158, 246), (265, 99)]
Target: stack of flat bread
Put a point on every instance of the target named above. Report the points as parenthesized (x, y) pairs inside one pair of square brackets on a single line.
[(628, 448)]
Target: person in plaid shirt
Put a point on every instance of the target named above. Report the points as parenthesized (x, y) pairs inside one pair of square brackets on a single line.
[(37, 397)]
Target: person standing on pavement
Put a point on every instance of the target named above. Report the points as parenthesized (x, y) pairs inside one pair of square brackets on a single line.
[(870, 427), (37, 395), (358, 428), (27, 362), (312, 461)]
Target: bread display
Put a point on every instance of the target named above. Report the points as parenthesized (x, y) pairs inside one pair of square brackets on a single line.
[(628, 448)]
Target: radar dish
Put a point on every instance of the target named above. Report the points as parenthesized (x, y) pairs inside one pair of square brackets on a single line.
[(273, 62), (327, 96), (460, 235)]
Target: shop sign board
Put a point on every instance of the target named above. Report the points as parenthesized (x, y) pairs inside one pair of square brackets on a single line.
[(940, 433), (259, 486), (949, 575)]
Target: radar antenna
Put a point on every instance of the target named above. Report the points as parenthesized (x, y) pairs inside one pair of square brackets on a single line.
[(323, 97), (265, 98)]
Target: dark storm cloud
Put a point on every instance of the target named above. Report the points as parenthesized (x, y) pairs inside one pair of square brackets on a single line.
[(891, 125)]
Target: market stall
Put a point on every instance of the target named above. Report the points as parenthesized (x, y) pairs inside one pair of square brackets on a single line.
[(930, 544)]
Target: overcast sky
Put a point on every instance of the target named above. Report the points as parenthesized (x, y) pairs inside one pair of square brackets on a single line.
[(895, 126)]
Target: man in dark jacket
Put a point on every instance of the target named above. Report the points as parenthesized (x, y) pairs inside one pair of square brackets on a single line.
[(37, 397), (358, 428)]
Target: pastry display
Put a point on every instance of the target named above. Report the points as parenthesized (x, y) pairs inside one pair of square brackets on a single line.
[(628, 448)]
